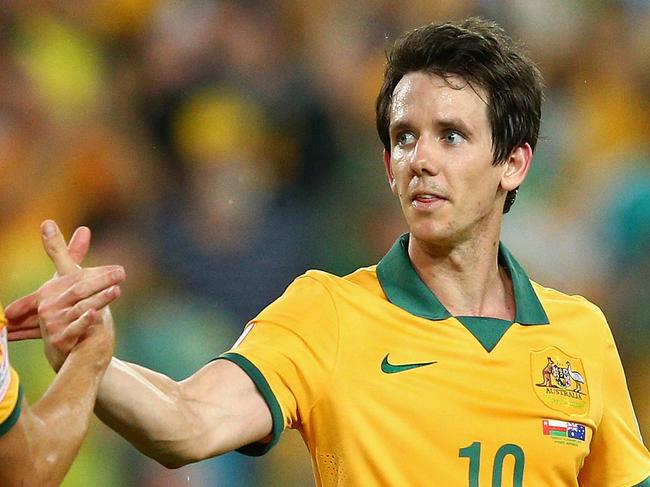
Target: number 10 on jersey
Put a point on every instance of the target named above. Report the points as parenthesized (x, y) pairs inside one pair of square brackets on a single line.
[(473, 452)]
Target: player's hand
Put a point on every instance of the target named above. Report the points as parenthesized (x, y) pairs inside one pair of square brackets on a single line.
[(67, 306), (22, 314)]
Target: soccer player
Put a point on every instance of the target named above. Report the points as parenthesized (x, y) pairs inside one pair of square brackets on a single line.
[(39, 443), (444, 364)]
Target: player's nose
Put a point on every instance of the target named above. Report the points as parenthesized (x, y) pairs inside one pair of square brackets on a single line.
[(425, 158)]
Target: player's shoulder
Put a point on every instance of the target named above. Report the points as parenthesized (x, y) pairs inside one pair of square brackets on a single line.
[(553, 299), (363, 279), (315, 278), (322, 294)]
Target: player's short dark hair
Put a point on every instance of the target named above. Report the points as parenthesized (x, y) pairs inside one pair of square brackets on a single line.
[(481, 53)]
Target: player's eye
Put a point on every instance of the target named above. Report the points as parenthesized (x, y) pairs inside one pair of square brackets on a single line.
[(453, 137), (405, 138)]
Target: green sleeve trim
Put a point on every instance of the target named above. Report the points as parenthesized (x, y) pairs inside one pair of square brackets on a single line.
[(645, 483), (15, 414), (259, 449)]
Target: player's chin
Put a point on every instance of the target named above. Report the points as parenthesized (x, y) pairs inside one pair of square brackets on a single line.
[(431, 231)]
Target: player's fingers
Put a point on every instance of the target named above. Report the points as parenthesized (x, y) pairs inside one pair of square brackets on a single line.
[(25, 323), (16, 336), (91, 281), (56, 249), (79, 244), (76, 329), (97, 301), (25, 306)]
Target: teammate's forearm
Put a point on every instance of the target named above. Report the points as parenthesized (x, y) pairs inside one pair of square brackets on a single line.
[(58, 422), (148, 410)]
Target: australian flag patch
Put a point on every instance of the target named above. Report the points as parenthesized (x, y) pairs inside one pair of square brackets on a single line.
[(563, 429)]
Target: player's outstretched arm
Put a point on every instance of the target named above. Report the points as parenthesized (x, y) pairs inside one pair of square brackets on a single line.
[(216, 410)]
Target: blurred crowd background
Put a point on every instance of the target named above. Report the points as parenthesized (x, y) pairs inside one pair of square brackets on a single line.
[(218, 149)]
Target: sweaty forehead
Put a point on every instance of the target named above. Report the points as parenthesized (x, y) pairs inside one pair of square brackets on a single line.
[(449, 96)]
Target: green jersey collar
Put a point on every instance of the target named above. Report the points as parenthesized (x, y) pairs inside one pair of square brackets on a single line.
[(403, 286), (405, 289), (528, 309)]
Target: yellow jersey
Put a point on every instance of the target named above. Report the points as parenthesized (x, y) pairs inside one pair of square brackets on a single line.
[(388, 388), (10, 391)]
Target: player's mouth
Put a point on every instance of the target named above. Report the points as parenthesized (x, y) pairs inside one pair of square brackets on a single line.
[(427, 201)]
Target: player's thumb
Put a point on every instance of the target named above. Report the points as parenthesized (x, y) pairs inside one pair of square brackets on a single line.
[(54, 245), (79, 244)]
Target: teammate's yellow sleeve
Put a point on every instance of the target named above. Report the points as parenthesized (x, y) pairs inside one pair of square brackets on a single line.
[(10, 393), (617, 456), (289, 351)]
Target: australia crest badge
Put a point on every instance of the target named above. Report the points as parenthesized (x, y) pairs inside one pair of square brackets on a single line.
[(559, 380)]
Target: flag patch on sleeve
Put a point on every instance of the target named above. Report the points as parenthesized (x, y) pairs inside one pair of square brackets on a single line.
[(563, 429)]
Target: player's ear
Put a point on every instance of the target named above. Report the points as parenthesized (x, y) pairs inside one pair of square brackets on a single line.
[(389, 172), (516, 167)]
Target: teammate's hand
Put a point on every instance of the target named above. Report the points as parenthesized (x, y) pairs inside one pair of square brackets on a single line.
[(65, 307), (22, 314)]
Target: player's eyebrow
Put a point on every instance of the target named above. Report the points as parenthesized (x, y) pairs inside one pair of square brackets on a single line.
[(398, 126), (442, 123), (454, 123)]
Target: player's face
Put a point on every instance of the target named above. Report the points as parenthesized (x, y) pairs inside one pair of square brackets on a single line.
[(440, 164)]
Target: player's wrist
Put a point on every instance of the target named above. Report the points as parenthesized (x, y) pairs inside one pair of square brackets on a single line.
[(55, 357), (95, 349)]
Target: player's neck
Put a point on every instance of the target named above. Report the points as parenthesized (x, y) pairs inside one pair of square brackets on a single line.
[(466, 278)]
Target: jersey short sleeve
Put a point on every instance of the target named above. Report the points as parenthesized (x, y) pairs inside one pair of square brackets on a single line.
[(10, 399), (618, 455), (289, 351)]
